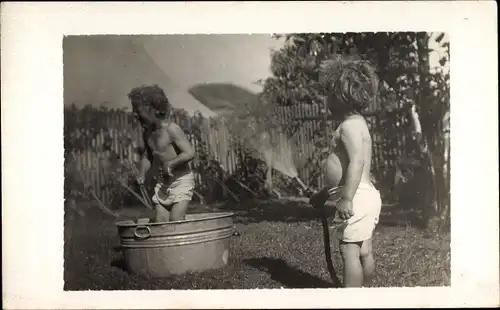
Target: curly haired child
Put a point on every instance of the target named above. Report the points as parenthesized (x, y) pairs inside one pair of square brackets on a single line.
[(352, 85), (166, 143)]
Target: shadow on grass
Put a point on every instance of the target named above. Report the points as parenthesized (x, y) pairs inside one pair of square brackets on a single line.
[(290, 277), (402, 215), (120, 264), (274, 210), (287, 211)]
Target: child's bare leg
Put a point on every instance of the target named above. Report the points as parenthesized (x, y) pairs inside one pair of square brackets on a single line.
[(162, 213), (353, 270), (178, 212), (367, 261)]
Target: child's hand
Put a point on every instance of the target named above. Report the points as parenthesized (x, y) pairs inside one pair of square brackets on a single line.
[(344, 209), (169, 170), (140, 180)]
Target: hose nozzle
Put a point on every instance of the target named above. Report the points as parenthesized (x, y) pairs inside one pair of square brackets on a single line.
[(306, 189)]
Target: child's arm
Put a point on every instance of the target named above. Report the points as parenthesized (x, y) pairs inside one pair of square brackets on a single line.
[(353, 139), (178, 137)]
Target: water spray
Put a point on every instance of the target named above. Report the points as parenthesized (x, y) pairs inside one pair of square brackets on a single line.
[(284, 164)]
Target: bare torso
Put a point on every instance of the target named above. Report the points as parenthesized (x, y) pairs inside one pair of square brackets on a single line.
[(164, 150), (338, 160)]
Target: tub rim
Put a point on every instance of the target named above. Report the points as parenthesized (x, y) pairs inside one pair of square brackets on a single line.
[(126, 223)]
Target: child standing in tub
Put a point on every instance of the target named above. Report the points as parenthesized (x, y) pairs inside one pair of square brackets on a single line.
[(352, 85), (165, 143)]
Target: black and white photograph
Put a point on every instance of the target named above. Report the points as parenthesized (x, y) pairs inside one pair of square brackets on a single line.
[(243, 161), (249, 155)]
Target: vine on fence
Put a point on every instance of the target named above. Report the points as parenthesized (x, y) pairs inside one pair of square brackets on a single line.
[(112, 137), (91, 129)]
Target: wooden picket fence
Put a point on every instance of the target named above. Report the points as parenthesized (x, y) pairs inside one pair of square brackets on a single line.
[(211, 137)]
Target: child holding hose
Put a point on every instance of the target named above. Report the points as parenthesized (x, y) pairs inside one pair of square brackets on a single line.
[(351, 86), (166, 143)]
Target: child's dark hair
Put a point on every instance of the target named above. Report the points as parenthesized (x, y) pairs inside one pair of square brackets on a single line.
[(352, 82), (151, 96)]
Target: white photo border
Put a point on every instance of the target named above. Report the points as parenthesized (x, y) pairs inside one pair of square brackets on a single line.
[(32, 125)]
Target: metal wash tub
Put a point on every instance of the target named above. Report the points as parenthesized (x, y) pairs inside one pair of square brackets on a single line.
[(201, 242)]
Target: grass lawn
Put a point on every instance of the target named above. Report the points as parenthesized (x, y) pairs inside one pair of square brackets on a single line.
[(281, 245)]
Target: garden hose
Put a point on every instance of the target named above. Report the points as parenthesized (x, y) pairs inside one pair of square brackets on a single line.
[(326, 233), (328, 251)]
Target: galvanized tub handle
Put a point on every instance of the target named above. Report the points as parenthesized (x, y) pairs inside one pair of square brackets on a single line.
[(145, 235)]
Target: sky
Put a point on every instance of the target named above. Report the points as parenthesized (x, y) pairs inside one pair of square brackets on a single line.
[(101, 70), (437, 53)]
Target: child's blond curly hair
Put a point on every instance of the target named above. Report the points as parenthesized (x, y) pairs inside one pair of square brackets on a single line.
[(353, 83)]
